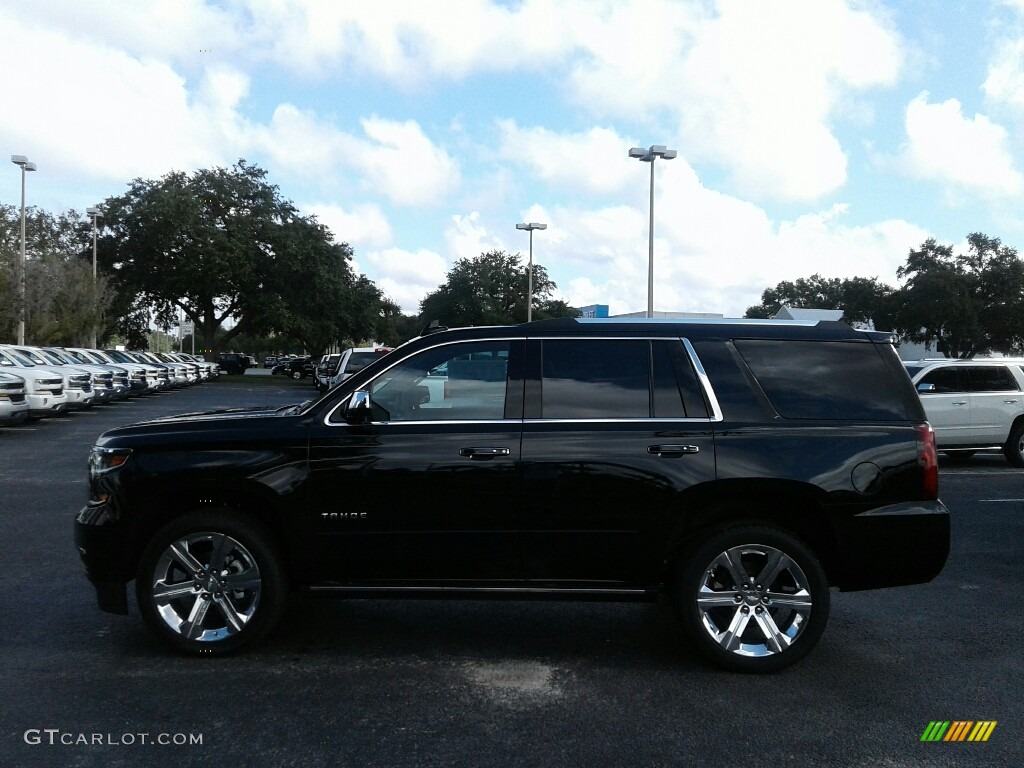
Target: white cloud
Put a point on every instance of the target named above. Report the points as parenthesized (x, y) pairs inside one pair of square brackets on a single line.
[(944, 145), (594, 160), (406, 277), (467, 237), (365, 226), (102, 111), (399, 161), (1005, 81), (760, 92)]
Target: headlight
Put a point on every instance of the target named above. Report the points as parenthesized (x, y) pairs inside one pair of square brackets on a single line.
[(105, 459)]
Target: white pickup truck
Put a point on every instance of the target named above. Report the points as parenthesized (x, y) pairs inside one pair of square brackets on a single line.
[(335, 369)]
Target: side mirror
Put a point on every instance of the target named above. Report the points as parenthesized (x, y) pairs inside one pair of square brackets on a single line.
[(358, 409), (922, 387)]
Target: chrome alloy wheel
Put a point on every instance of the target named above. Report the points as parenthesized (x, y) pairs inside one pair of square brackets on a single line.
[(754, 600), (206, 586)]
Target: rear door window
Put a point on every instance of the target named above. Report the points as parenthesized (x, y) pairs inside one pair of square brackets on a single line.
[(824, 379), (991, 378), (618, 379)]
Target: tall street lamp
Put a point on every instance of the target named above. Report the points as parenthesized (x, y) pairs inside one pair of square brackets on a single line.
[(647, 156), (529, 302), (25, 166), (95, 212)]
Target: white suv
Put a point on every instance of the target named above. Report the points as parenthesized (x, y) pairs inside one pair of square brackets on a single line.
[(974, 404)]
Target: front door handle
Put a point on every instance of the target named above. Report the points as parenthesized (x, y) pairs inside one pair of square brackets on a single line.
[(672, 450), (483, 453), (959, 402)]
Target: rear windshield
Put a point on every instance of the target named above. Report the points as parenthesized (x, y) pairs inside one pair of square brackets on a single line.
[(360, 360), (825, 379)]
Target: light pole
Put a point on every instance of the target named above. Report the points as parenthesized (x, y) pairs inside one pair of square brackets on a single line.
[(95, 212), (25, 166), (647, 156), (529, 301)]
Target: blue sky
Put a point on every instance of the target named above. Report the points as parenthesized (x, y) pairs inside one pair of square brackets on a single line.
[(827, 136)]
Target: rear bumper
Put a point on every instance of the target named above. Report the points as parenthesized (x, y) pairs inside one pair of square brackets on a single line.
[(894, 545)]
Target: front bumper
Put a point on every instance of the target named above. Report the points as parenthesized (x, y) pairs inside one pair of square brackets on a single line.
[(105, 548), (894, 545), (14, 415)]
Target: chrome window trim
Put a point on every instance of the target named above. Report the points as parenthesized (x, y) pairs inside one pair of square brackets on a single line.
[(702, 377), (705, 382)]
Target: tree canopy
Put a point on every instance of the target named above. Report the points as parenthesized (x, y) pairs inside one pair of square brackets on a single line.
[(963, 303), (492, 289), (861, 299), (223, 247), (63, 305)]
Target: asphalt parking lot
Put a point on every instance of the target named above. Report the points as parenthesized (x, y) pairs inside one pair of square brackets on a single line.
[(432, 683)]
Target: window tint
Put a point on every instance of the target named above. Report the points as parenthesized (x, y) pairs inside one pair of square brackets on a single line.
[(945, 379), (824, 379), (359, 360), (472, 388), (991, 378), (596, 379)]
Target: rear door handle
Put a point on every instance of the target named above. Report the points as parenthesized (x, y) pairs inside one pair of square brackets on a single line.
[(959, 402), (672, 450), (483, 453)]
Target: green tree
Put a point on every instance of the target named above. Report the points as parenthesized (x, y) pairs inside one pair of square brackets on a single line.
[(861, 298), (226, 249), (492, 289), (63, 304), (963, 303)]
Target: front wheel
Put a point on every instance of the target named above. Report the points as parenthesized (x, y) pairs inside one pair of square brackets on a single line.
[(751, 598), (210, 582), (1014, 448), (297, 375)]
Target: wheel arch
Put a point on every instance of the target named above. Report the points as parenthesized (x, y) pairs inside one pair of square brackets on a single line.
[(795, 507), (245, 498)]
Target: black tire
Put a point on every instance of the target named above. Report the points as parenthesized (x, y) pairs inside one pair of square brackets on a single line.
[(1014, 448), (298, 375), (175, 583), (751, 627)]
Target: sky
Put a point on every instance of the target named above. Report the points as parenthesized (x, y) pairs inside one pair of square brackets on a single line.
[(813, 136)]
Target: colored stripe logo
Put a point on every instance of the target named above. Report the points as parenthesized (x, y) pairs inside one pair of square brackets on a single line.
[(958, 730)]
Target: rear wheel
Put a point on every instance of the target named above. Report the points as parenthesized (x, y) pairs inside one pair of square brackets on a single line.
[(298, 375), (751, 598), (1014, 448), (210, 582)]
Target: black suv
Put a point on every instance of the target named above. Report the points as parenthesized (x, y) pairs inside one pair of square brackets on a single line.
[(742, 469), (233, 362)]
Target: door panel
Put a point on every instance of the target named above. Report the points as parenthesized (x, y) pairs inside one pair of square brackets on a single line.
[(433, 479), (995, 402)]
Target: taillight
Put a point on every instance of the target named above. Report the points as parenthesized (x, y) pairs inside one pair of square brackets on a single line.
[(928, 458)]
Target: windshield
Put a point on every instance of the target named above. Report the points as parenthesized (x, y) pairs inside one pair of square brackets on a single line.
[(21, 359), (8, 361), (80, 356), (33, 356), (55, 355)]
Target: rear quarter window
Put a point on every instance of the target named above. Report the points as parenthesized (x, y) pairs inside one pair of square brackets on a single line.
[(825, 379)]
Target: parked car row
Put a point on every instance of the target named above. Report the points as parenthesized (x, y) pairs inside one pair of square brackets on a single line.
[(38, 382)]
